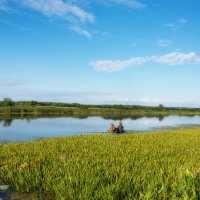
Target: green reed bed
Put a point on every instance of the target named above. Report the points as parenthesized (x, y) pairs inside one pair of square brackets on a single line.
[(158, 165)]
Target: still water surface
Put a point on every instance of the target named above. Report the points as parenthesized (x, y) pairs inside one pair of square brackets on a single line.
[(30, 129)]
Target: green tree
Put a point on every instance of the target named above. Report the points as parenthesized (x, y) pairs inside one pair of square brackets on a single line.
[(161, 107), (7, 102)]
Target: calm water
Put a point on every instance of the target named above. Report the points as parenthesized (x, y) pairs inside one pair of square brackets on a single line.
[(30, 129)]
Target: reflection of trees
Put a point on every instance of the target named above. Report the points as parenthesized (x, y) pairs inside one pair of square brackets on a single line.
[(133, 117), (28, 120), (113, 117), (79, 116), (7, 119), (7, 122), (161, 118)]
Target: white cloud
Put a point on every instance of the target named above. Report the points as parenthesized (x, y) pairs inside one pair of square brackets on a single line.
[(65, 10), (177, 58), (81, 31), (58, 8), (173, 58), (116, 65), (68, 10), (164, 43)]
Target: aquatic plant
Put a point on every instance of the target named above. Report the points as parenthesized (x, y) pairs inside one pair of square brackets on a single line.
[(158, 165)]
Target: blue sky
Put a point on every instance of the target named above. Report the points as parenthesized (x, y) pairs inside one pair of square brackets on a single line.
[(101, 51)]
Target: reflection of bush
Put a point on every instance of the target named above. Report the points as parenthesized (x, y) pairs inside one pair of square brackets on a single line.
[(28, 118), (7, 122), (161, 117), (133, 117)]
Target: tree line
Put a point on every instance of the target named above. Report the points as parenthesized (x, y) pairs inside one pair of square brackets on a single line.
[(7, 102)]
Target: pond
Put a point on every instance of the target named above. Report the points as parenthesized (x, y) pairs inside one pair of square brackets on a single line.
[(31, 128)]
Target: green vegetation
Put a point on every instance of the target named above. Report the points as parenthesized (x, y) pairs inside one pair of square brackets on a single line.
[(6, 102), (7, 106), (157, 165)]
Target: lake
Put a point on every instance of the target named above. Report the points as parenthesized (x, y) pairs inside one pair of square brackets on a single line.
[(29, 128)]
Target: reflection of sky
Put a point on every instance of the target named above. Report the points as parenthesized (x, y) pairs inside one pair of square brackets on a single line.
[(51, 127), (146, 123)]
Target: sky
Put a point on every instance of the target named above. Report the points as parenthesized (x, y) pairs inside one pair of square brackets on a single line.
[(144, 52)]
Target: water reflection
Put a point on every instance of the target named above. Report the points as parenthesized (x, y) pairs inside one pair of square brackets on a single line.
[(29, 127), (7, 120)]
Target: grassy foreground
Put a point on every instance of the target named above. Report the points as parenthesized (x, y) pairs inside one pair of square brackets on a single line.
[(160, 165)]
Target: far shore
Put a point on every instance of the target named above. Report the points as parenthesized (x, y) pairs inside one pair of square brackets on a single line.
[(59, 109)]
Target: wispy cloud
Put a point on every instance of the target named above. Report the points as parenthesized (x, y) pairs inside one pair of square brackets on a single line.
[(65, 10), (164, 43), (177, 58), (81, 31), (59, 8), (172, 59), (116, 65), (71, 11), (177, 24)]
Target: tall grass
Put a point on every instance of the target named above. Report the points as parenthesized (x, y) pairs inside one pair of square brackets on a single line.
[(161, 165)]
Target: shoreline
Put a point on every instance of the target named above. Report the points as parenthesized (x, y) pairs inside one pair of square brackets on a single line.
[(128, 132), (49, 108)]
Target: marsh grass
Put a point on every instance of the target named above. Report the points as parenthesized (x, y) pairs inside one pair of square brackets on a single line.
[(158, 165)]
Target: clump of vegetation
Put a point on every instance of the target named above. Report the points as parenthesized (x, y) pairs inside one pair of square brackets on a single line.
[(9, 107), (6, 102), (161, 165)]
